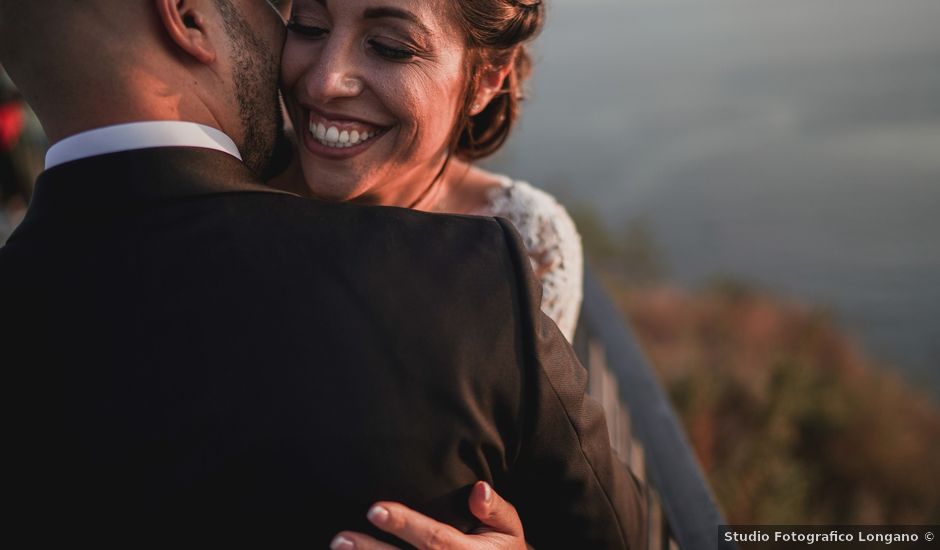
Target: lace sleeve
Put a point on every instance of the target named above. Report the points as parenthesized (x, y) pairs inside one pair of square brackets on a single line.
[(553, 245)]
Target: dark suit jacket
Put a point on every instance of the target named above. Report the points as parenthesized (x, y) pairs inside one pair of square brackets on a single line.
[(186, 349)]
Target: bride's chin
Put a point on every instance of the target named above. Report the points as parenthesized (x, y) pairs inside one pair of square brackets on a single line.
[(322, 186), (329, 194)]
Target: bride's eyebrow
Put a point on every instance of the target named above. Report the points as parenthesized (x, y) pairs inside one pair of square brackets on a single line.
[(396, 13)]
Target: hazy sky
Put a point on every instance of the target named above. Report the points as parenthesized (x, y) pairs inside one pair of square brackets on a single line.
[(794, 144)]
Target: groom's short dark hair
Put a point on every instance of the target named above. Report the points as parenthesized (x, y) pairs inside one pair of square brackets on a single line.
[(9, 9), (19, 22), (35, 41)]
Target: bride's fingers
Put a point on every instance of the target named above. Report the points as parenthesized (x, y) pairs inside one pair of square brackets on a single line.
[(497, 514), (349, 540), (413, 527)]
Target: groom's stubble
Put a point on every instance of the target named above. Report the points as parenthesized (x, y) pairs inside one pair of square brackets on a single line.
[(255, 74)]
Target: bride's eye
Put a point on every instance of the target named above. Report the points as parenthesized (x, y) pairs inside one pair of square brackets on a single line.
[(306, 30), (391, 52)]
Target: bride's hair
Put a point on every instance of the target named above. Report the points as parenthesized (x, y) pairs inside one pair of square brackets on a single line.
[(497, 32)]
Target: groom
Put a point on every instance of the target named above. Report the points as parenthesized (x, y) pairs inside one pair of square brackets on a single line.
[(190, 352)]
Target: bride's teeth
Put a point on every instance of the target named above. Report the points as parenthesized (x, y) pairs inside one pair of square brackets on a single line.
[(334, 137)]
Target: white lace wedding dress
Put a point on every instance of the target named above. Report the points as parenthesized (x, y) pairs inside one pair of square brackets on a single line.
[(553, 244)]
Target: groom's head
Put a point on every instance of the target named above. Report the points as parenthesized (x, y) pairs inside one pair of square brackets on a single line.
[(89, 63)]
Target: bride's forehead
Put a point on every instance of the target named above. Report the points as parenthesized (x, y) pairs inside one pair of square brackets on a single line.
[(363, 6), (435, 16)]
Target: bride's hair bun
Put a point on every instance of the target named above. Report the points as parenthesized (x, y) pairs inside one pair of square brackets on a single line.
[(497, 32), (527, 21)]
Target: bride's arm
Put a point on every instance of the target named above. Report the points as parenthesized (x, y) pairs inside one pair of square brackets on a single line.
[(552, 244), (558, 260)]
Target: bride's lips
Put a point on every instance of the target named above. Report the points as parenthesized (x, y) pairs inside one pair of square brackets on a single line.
[(337, 136)]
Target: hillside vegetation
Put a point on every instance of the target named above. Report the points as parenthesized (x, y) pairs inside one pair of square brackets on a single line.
[(791, 422)]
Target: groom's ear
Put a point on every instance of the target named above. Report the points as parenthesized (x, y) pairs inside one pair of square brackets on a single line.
[(186, 23)]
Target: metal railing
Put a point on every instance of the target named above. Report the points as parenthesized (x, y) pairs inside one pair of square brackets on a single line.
[(644, 429)]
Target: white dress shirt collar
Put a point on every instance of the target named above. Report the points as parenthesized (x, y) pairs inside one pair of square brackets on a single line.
[(139, 135)]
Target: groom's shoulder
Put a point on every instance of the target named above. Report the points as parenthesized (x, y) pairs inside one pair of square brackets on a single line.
[(374, 232), (474, 264)]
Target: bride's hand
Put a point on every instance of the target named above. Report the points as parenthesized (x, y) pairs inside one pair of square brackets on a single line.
[(501, 528)]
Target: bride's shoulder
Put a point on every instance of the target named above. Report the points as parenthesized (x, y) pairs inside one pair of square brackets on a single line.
[(534, 211), (512, 194), (552, 241)]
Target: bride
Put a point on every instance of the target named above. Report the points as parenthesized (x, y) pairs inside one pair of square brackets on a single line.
[(392, 102)]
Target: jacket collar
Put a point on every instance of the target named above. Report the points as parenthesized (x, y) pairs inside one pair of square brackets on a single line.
[(135, 178), (139, 135)]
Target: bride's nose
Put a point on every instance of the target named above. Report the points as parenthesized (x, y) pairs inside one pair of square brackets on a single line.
[(336, 74)]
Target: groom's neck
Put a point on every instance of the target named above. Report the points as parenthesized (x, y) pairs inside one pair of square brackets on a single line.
[(140, 95)]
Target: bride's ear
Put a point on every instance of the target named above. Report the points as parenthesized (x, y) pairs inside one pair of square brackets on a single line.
[(186, 23), (489, 84)]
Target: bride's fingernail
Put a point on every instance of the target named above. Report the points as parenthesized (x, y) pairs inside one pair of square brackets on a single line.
[(377, 514), (342, 543), (487, 493)]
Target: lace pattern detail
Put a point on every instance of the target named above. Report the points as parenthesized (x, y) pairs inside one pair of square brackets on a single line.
[(553, 244)]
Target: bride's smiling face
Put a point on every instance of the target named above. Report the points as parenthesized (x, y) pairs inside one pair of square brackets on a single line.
[(373, 88)]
